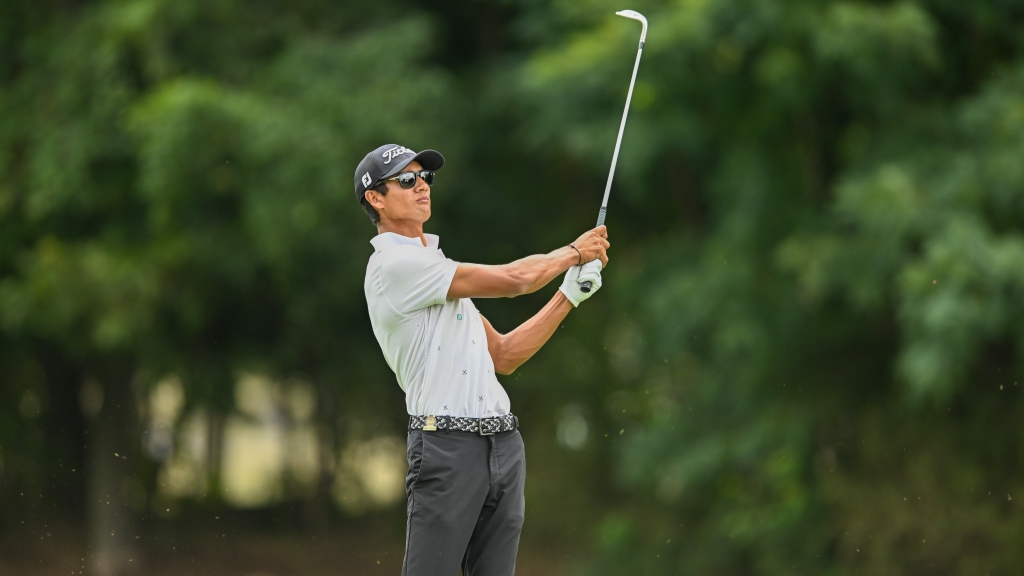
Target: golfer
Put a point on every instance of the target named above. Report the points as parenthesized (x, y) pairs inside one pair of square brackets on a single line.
[(467, 464)]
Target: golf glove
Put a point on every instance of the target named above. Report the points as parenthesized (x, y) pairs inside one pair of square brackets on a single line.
[(571, 286), (590, 271)]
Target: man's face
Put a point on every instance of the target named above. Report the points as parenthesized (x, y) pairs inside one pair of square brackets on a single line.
[(401, 204)]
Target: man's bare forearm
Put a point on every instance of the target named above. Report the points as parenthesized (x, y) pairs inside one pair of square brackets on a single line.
[(510, 351), (528, 274), (534, 272)]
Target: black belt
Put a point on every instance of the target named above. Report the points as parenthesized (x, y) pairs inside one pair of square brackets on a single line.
[(482, 426)]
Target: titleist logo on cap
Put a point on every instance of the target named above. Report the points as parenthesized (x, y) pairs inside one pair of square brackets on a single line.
[(393, 153)]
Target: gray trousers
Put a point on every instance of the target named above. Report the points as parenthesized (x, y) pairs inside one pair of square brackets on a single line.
[(465, 503)]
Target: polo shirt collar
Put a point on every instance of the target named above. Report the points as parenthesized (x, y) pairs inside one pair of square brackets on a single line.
[(385, 239)]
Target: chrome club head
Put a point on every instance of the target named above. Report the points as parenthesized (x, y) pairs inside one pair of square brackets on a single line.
[(634, 15)]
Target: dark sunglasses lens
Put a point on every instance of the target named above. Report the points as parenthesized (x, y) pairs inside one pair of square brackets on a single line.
[(428, 177), (407, 179)]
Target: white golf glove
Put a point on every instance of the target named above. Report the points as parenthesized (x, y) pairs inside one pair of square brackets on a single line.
[(571, 286)]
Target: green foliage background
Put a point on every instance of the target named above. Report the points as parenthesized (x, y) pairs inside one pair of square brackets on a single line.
[(806, 356)]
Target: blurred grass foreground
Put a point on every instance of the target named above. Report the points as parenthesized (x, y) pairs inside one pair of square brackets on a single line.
[(806, 358)]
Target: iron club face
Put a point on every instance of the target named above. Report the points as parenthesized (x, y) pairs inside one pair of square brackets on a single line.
[(634, 15)]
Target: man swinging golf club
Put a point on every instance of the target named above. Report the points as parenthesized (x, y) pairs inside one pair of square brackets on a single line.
[(467, 464)]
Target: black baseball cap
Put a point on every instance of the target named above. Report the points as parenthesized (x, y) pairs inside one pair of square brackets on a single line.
[(388, 160)]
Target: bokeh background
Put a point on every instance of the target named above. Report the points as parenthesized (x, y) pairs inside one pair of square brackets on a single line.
[(806, 358)]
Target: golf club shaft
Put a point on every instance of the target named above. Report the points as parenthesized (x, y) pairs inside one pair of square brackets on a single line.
[(618, 139), (587, 284)]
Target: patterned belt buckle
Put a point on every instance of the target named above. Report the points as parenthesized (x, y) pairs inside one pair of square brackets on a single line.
[(430, 425), (480, 425)]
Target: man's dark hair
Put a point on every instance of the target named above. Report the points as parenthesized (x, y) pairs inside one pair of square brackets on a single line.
[(381, 189)]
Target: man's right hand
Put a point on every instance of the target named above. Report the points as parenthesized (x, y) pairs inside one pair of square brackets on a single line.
[(593, 245)]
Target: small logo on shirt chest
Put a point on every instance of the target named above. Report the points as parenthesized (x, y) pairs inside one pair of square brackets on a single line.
[(458, 316)]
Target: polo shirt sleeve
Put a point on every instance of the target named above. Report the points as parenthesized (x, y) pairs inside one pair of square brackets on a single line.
[(414, 278)]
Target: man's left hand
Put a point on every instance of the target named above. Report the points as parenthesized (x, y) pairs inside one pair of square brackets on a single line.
[(571, 286)]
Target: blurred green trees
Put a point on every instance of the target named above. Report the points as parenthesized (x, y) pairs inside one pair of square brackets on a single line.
[(807, 354), (832, 345)]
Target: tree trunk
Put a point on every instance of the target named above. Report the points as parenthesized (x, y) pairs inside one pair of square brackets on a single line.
[(214, 455), (316, 508), (112, 454)]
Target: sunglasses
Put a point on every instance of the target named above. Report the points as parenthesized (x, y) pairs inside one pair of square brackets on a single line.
[(408, 179)]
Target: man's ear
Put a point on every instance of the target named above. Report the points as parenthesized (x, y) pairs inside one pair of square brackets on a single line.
[(374, 198)]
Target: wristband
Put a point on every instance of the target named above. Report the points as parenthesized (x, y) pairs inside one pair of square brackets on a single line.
[(577, 252)]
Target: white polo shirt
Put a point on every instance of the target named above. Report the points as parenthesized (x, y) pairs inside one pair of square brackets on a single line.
[(436, 347)]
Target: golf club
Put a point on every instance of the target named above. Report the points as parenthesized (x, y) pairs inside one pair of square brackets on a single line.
[(591, 269)]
